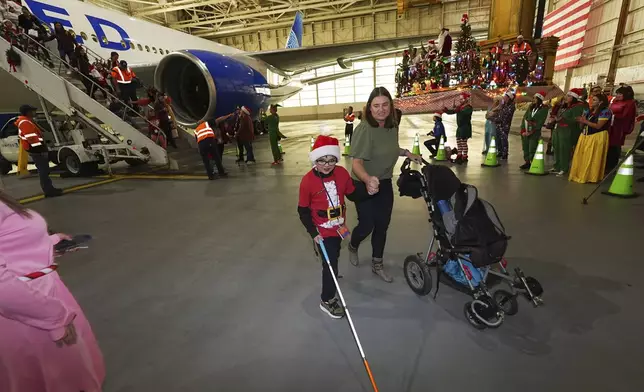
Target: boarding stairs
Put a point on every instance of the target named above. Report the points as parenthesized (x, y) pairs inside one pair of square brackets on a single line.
[(122, 140)]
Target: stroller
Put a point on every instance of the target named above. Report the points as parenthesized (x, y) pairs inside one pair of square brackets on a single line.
[(471, 242)]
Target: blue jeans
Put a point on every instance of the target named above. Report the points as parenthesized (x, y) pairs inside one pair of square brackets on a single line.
[(490, 130), (250, 156), (41, 160)]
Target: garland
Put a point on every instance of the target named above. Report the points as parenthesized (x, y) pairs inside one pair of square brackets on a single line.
[(13, 58)]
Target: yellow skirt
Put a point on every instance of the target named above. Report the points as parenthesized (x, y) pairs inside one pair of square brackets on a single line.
[(589, 160)]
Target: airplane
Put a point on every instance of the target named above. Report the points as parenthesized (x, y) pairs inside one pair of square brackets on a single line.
[(203, 78)]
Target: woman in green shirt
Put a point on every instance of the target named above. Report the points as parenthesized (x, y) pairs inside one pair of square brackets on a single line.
[(375, 151), (531, 125)]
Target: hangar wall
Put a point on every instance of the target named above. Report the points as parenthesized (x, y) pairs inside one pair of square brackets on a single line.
[(599, 45)]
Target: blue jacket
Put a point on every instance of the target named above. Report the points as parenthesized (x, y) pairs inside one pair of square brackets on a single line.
[(439, 130)]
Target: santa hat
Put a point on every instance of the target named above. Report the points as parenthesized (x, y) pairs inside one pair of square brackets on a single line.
[(325, 145), (576, 93), (439, 115), (541, 95), (520, 36), (245, 110), (509, 94)]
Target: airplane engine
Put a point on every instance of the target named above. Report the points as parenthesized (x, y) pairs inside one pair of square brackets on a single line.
[(204, 85)]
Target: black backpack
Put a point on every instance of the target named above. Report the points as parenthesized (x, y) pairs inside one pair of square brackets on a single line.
[(478, 228)]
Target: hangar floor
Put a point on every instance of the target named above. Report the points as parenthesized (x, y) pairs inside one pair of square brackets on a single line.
[(212, 286)]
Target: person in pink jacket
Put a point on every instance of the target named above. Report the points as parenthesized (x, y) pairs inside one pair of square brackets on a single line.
[(46, 343)]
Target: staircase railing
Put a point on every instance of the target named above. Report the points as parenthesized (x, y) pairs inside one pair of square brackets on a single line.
[(7, 35)]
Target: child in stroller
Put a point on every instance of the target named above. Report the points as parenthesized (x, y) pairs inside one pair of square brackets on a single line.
[(470, 239)]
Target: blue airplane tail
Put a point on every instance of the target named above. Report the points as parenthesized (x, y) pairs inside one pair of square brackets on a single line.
[(295, 36)]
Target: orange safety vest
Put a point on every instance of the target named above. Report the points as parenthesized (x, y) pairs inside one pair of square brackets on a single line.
[(29, 133), (523, 48), (204, 132), (123, 77), (350, 118)]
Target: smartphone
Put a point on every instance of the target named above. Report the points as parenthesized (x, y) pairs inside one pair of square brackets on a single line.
[(77, 242)]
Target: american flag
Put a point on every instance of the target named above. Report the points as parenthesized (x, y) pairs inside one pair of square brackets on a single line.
[(569, 24)]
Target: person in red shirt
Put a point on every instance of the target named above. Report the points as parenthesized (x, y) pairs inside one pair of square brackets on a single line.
[(322, 211), (624, 111)]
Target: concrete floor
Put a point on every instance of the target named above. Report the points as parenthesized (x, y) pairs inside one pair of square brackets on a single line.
[(212, 286)]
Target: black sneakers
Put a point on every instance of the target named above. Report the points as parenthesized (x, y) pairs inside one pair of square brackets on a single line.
[(332, 308), (525, 166)]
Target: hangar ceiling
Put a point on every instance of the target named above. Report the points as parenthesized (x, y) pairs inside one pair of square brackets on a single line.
[(219, 18)]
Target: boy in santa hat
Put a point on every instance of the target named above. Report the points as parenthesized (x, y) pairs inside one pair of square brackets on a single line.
[(531, 125), (438, 133), (322, 211), (463, 109)]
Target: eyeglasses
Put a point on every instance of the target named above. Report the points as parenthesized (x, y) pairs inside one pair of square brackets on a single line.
[(323, 162)]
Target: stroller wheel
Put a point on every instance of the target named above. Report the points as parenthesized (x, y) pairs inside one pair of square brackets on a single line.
[(487, 312), (471, 317), (506, 302), (534, 285), (417, 275)]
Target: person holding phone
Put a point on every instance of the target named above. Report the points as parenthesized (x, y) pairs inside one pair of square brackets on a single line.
[(375, 151), (46, 342)]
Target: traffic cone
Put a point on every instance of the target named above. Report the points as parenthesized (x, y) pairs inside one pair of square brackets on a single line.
[(537, 167), (622, 185), (279, 145), (441, 155), (347, 146), (23, 160), (416, 149), (490, 158), (312, 143)]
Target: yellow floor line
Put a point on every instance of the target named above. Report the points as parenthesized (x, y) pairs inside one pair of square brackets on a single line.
[(163, 177), (76, 188)]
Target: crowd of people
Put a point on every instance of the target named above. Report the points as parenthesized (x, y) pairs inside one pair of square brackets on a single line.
[(585, 132)]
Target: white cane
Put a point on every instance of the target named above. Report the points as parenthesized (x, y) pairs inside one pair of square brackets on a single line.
[(346, 310)]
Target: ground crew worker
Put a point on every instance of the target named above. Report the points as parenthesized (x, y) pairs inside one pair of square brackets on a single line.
[(207, 142), (125, 84), (521, 50), (348, 120), (32, 142)]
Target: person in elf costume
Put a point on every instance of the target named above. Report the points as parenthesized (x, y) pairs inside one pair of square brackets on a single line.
[(463, 109), (322, 211), (274, 135), (531, 125), (567, 130)]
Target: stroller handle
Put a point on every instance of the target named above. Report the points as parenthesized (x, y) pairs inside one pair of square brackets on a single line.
[(408, 161)]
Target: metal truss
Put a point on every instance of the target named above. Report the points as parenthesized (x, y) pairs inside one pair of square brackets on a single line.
[(217, 18)]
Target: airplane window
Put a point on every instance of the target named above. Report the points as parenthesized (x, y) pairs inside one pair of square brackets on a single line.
[(71, 32), (147, 48), (167, 51), (84, 36), (140, 47), (154, 50), (94, 38), (132, 46), (123, 44), (104, 39)]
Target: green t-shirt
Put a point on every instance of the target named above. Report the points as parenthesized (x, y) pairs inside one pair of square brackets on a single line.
[(378, 147)]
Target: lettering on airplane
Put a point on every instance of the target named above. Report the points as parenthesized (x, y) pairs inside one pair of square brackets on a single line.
[(51, 14)]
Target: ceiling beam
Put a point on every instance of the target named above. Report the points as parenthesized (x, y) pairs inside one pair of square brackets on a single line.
[(224, 32), (239, 15), (175, 6)]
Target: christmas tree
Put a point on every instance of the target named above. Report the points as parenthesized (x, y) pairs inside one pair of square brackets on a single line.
[(466, 66)]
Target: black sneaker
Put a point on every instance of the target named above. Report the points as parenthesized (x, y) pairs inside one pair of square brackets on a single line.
[(332, 308), (525, 166)]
